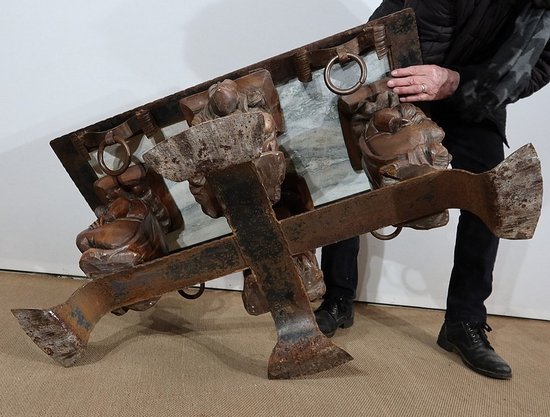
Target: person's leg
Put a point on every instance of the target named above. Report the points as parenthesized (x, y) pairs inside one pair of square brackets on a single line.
[(339, 266), (475, 148)]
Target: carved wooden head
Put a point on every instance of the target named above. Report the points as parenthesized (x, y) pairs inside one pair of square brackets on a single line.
[(224, 97), (401, 142)]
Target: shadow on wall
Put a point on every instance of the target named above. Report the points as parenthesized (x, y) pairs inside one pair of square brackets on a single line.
[(240, 32), (41, 212)]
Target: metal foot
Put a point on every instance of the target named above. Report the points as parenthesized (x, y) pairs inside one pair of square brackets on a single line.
[(292, 359), (51, 334)]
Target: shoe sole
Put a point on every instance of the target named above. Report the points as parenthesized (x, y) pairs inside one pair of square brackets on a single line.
[(449, 347)]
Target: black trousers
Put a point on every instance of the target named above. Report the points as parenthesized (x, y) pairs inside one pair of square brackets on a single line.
[(339, 266), (475, 147)]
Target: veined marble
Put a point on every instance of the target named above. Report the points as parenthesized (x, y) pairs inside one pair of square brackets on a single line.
[(313, 144)]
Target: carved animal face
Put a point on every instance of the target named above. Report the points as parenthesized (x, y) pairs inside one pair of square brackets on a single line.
[(401, 142)]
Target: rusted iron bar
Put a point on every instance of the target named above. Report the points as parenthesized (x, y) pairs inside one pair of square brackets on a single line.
[(301, 348), (508, 199)]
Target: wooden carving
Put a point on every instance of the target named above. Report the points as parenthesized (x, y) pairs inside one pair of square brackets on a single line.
[(397, 141), (129, 230), (249, 94), (253, 93)]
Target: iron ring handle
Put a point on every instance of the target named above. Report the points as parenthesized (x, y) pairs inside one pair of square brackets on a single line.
[(390, 236), (358, 84), (126, 159), (192, 296)]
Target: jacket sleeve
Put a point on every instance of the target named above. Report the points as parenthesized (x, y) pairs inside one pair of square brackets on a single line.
[(540, 76), (471, 74)]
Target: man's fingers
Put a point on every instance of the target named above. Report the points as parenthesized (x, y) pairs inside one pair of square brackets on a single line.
[(403, 82), (423, 82), (415, 87), (407, 71)]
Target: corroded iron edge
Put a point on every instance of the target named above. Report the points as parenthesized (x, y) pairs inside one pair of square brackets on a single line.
[(51, 335)]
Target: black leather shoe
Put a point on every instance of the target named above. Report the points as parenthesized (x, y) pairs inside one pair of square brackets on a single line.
[(470, 342), (334, 313)]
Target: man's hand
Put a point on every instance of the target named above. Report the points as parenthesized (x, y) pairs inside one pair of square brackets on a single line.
[(424, 83)]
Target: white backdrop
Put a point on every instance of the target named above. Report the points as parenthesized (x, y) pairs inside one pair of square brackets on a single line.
[(67, 64)]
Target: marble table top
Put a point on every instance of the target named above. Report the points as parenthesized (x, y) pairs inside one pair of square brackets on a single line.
[(313, 144)]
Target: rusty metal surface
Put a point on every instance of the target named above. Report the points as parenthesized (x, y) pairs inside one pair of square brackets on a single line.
[(517, 188), (400, 42), (301, 348), (509, 207), (52, 334), (200, 150), (508, 199), (77, 316)]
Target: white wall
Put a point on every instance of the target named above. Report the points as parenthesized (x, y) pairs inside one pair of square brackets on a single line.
[(67, 64)]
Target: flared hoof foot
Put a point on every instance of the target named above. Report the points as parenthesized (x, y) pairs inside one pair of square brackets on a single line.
[(51, 335), (516, 193), (305, 357)]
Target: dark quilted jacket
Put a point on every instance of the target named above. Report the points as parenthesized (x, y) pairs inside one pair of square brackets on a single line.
[(463, 35)]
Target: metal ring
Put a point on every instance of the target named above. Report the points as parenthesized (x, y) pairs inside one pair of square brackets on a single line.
[(392, 235), (126, 159), (423, 88), (194, 295), (358, 84)]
